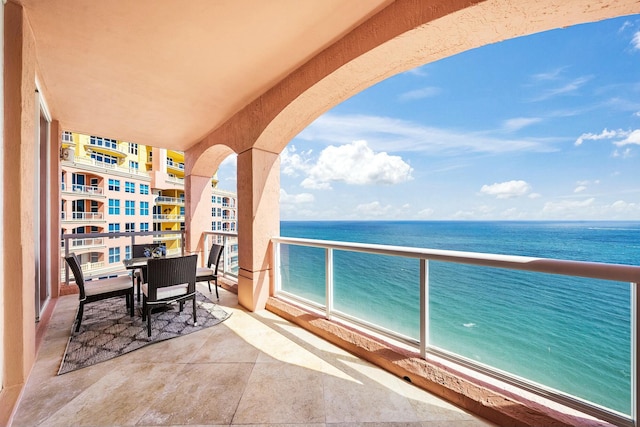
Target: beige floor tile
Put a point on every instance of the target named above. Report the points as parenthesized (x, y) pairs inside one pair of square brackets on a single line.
[(224, 346), (281, 393), (201, 394), (364, 400)]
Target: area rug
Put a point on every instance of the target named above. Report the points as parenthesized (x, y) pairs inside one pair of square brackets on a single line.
[(108, 331)]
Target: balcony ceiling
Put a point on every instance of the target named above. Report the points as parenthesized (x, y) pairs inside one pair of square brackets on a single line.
[(166, 73)]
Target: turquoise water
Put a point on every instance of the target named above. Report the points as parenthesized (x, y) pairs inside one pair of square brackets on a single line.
[(572, 334)]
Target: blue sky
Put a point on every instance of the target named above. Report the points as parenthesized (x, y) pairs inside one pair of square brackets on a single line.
[(543, 127)]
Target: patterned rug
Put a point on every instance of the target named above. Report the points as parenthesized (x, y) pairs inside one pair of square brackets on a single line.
[(108, 331)]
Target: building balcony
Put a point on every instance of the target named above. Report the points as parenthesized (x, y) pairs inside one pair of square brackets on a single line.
[(82, 190), (163, 200), (102, 167), (72, 217), (168, 218), (173, 167), (109, 149)]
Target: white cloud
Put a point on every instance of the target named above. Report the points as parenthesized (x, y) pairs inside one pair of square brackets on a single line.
[(426, 213), (356, 164), (295, 198), (635, 41), (605, 134), (624, 153), (621, 206), (580, 188), (518, 123), (291, 162), (393, 135), (567, 206), (425, 92), (568, 88), (631, 138), (373, 209), (506, 190), (534, 195)]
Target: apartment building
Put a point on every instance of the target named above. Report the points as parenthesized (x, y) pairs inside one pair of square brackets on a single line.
[(111, 186)]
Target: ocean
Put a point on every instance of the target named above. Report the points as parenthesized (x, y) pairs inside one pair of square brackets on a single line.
[(568, 333)]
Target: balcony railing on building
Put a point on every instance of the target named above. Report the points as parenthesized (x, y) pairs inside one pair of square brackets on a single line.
[(168, 218), (109, 166), (85, 190), (82, 216), (321, 275), (169, 200)]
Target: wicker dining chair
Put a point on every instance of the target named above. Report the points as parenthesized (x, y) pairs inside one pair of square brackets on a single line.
[(97, 290), (169, 280), (210, 272), (137, 251)]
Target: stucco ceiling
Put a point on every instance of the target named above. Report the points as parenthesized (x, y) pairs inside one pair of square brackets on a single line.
[(166, 73)]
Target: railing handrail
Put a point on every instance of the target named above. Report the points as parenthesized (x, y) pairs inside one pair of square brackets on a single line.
[(594, 270)]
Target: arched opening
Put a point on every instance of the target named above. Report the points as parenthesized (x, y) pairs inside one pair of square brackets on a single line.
[(541, 128)]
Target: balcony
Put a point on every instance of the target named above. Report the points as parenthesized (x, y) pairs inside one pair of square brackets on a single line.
[(252, 369), (163, 200), (82, 190), (168, 218), (98, 166), (79, 217), (175, 167)]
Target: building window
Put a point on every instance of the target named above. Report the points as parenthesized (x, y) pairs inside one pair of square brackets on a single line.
[(213, 226), (103, 142), (181, 210), (144, 226), (127, 252), (133, 148), (144, 189), (104, 158), (130, 227), (114, 255), (213, 211), (114, 207), (133, 165), (114, 184), (129, 187), (144, 208), (114, 228), (67, 136), (129, 207)]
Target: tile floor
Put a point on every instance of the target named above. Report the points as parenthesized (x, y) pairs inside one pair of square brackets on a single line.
[(252, 369)]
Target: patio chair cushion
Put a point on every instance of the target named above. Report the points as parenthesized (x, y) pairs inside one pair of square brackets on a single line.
[(97, 287), (204, 271), (167, 292)]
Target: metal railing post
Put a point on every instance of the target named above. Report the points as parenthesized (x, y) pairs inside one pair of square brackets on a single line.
[(635, 330), (277, 285), (424, 307), (329, 281)]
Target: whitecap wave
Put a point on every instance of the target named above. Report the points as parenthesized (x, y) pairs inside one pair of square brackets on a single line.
[(469, 325)]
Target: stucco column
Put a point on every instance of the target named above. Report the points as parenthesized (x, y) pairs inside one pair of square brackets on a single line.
[(258, 221), (18, 306), (197, 211)]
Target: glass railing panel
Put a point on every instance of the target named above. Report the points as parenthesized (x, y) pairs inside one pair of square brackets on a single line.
[(568, 333), (302, 272), (379, 289)]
